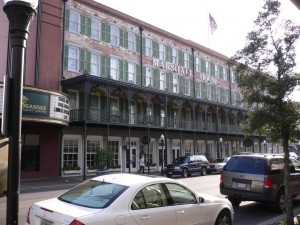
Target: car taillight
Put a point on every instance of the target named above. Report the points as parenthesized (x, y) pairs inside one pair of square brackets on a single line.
[(76, 222), (221, 177), (268, 183), (28, 216)]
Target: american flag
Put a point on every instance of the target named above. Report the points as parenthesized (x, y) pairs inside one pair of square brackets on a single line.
[(213, 24)]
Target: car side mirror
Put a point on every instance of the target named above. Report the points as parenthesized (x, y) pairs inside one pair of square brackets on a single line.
[(201, 200)]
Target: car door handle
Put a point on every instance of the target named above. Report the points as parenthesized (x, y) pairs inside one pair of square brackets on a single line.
[(145, 217), (180, 211)]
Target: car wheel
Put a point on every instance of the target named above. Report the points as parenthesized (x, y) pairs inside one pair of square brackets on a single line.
[(280, 204), (185, 173), (223, 218), (234, 201), (169, 175), (203, 171)]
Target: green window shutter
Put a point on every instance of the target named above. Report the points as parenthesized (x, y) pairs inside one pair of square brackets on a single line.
[(180, 58), (103, 66), (121, 70), (82, 58), (88, 57), (82, 24), (169, 54), (138, 74), (168, 81), (67, 19), (203, 66), (180, 85), (103, 31), (190, 62), (212, 69), (191, 87), (121, 35), (66, 58), (220, 72), (197, 87), (155, 49), (126, 72), (137, 43), (107, 66), (156, 78), (126, 40), (144, 46), (107, 33), (144, 76), (89, 26)]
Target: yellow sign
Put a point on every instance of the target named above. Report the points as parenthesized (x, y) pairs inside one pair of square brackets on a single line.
[(3, 165)]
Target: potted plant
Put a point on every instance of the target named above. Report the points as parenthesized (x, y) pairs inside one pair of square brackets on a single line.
[(173, 103), (69, 169), (98, 91), (199, 108), (103, 160), (139, 97)]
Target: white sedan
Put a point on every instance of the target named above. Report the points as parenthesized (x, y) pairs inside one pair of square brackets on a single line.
[(131, 199)]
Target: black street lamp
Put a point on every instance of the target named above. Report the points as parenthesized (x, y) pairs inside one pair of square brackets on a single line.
[(162, 141), (19, 13)]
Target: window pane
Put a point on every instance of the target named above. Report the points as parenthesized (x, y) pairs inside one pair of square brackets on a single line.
[(74, 21)]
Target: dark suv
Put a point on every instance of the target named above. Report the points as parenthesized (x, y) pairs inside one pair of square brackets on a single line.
[(258, 177), (186, 165)]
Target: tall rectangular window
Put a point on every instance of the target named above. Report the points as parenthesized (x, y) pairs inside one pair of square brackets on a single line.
[(186, 60), (114, 35), (95, 29), (162, 81), (186, 86), (174, 56), (175, 83), (114, 146), (198, 64), (70, 152), (73, 59), (74, 23), (131, 41), (131, 72), (149, 77), (72, 100), (148, 47), (91, 148), (162, 51), (95, 64), (114, 68)]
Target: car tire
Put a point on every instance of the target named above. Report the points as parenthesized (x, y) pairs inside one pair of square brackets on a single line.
[(280, 204), (184, 173), (203, 171), (234, 201), (223, 218)]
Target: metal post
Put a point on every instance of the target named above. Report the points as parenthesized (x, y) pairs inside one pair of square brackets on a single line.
[(19, 15)]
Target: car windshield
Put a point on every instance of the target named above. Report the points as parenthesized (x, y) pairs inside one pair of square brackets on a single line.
[(182, 160), (93, 194), (252, 165), (218, 160)]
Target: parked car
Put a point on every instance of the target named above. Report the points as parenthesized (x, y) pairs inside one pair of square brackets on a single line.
[(217, 164), (258, 177), (131, 199), (186, 165)]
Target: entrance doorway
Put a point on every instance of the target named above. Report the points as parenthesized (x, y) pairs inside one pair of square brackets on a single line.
[(131, 158)]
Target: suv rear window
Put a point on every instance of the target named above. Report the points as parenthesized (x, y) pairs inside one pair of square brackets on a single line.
[(247, 164)]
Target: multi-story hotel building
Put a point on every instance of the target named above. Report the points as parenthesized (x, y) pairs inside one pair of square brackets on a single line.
[(104, 79)]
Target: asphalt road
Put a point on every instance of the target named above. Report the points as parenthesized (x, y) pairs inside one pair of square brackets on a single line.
[(249, 213)]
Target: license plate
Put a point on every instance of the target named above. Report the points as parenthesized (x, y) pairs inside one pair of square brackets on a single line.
[(45, 222), (169, 172), (241, 185)]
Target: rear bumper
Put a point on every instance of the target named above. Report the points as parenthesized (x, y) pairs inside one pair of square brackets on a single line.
[(267, 195)]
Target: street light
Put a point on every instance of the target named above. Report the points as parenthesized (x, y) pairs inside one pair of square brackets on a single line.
[(162, 141), (19, 13), (221, 141)]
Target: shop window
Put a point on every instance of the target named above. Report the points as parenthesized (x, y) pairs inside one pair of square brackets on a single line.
[(30, 159), (70, 152)]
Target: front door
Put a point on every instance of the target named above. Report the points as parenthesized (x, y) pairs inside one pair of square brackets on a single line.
[(131, 158)]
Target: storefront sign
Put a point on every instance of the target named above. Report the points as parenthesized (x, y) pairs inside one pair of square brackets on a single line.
[(171, 67), (34, 103)]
